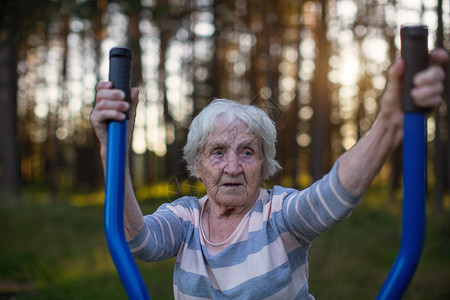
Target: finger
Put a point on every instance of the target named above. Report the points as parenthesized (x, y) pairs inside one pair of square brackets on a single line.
[(439, 56), (134, 99), (394, 76), (392, 91), (429, 90), (429, 103), (110, 94), (431, 75), (104, 85), (134, 95), (99, 117), (113, 105)]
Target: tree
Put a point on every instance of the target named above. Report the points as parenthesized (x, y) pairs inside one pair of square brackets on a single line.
[(440, 144), (8, 96), (164, 24), (320, 143), (16, 22)]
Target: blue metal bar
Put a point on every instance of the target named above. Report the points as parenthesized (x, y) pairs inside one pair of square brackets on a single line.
[(113, 213), (413, 218)]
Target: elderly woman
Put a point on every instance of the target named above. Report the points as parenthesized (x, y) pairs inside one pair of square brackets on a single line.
[(240, 240)]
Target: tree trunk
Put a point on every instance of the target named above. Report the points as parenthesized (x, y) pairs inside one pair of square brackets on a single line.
[(216, 65), (134, 37), (10, 160), (53, 146), (439, 144), (172, 157), (320, 143), (295, 153), (98, 30)]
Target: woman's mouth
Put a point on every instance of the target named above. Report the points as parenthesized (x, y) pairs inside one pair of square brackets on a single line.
[(232, 184)]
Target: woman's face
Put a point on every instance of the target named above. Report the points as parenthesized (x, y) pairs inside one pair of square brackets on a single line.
[(231, 165)]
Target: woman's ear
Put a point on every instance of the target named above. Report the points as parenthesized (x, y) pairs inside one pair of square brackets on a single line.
[(197, 174)]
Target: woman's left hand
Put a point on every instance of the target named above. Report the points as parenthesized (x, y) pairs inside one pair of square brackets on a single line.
[(429, 84)]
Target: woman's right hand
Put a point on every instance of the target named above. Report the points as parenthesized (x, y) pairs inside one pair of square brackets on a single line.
[(110, 106)]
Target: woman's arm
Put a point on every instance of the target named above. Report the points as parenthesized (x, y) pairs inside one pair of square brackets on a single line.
[(359, 165)]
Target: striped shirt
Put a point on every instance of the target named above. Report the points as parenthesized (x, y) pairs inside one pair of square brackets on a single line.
[(266, 255)]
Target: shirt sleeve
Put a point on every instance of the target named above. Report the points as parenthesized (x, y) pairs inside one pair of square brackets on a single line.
[(162, 234), (314, 210)]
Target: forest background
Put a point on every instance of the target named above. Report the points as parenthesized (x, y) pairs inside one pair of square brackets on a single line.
[(317, 67)]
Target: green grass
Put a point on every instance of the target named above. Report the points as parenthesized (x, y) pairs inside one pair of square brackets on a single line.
[(352, 260), (58, 251)]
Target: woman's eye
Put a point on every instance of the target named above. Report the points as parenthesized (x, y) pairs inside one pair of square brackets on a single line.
[(247, 153), (217, 152)]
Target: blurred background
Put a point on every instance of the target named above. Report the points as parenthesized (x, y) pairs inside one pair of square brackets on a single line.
[(317, 67)]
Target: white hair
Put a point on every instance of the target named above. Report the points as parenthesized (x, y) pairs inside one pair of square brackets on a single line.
[(256, 119)]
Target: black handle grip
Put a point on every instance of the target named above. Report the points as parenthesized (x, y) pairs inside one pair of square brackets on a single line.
[(414, 50), (119, 69)]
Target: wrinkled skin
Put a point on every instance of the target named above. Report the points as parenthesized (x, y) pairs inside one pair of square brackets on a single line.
[(230, 167)]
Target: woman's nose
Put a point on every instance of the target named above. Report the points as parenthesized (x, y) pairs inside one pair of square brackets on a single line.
[(233, 166)]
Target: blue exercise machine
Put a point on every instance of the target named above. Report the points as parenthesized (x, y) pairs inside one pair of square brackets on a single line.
[(414, 51), (119, 75)]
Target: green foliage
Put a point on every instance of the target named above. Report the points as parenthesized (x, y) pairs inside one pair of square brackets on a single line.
[(58, 251)]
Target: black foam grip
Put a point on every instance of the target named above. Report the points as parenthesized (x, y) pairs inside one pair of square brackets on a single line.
[(414, 50), (119, 69)]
